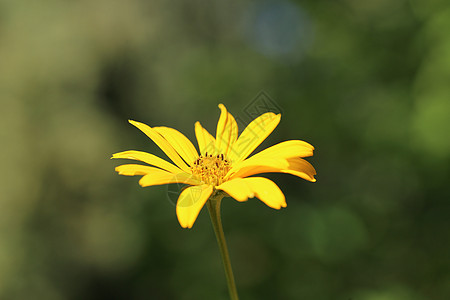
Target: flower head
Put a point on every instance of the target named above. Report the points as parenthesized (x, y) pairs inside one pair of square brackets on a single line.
[(223, 165)]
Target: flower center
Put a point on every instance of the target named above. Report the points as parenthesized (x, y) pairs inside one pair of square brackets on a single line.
[(211, 169)]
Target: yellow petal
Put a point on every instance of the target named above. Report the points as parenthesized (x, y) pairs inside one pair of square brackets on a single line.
[(206, 142), (295, 166), (267, 191), (253, 135), (163, 144), (149, 159), (253, 162), (190, 203), (155, 176), (133, 169), (301, 168), (264, 189), (179, 142), (287, 149), (282, 158), (167, 178), (227, 131), (237, 189)]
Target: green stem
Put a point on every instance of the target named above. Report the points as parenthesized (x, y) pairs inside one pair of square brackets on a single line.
[(214, 212)]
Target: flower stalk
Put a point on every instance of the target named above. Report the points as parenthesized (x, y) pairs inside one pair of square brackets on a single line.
[(214, 212)]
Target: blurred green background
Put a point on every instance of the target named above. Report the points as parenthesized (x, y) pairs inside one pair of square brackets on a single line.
[(365, 82)]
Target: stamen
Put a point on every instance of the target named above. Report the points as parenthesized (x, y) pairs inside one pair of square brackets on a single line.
[(211, 168)]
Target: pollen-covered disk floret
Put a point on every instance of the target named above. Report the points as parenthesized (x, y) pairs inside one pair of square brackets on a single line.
[(211, 168)]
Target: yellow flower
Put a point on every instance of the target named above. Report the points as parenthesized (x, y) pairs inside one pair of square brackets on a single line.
[(223, 164)]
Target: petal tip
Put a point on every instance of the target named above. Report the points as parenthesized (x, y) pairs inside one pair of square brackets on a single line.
[(311, 178), (116, 155), (223, 109), (184, 223)]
